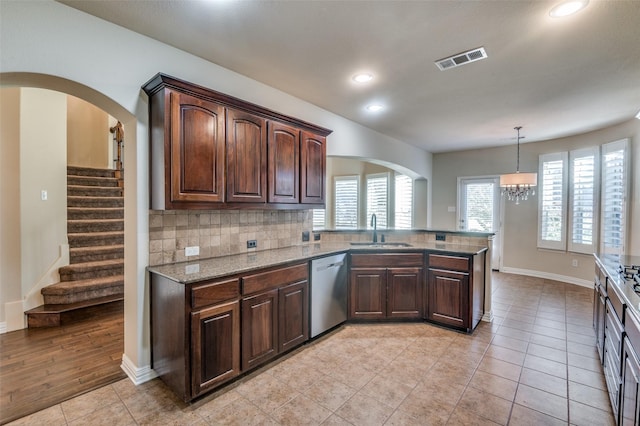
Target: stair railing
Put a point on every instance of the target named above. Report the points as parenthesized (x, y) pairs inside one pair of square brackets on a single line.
[(118, 140)]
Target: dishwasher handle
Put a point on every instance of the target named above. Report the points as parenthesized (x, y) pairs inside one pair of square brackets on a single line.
[(329, 266)]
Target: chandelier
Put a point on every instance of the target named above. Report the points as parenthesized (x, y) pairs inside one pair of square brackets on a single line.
[(518, 186)]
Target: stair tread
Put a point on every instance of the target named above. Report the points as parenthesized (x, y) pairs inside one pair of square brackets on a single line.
[(66, 307), (78, 286), (94, 264), (96, 234), (113, 247), (95, 220)]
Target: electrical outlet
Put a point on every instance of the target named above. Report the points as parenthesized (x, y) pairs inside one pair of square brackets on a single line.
[(574, 263), (441, 237), (192, 251), (305, 236), (44, 195), (316, 236), (252, 243)]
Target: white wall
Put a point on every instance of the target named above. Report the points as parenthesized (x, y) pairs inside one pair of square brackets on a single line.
[(521, 221), (45, 38)]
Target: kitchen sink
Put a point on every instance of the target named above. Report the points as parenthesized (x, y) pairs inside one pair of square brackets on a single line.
[(381, 245)]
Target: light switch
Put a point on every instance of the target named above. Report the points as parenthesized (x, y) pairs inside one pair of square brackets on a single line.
[(44, 195)]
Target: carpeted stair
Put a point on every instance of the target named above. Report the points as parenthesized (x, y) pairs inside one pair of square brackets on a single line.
[(95, 230)]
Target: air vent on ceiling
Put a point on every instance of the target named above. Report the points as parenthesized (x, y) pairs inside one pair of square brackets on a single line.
[(461, 59)]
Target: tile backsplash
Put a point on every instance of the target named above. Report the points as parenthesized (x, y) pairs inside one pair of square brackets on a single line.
[(222, 232)]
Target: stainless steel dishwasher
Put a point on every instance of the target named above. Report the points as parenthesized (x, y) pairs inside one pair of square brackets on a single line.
[(328, 293)]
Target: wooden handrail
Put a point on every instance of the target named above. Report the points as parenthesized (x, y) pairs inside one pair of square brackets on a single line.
[(118, 137)]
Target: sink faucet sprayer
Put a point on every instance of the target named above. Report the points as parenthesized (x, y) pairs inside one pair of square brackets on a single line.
[(374, 223)]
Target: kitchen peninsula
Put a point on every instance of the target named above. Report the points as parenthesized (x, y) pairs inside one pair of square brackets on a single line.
[(217, 318)]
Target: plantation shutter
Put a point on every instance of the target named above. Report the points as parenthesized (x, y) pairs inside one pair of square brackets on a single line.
[(346, 202), (319, 219), (377, 199), (583, 200), (552, 201), (614, 197), (403, 202)]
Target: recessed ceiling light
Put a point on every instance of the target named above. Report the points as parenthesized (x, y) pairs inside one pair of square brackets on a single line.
[(638, 115), (375, 107), (568, 8), (363, 77)]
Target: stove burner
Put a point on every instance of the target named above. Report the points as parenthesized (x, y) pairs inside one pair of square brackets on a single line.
[(629, 271)]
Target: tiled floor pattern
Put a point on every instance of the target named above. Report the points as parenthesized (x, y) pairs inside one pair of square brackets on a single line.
[(534, 365)]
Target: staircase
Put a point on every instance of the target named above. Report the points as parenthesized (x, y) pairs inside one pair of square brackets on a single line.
[(95, 230)]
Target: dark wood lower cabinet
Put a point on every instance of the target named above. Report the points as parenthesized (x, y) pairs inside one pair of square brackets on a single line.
[(447, 301), (368, 294), (404, 293), (259, 328), (293, 321), (216, 346)]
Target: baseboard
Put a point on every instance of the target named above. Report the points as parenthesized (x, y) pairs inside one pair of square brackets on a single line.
[(487, 317), (547, 276), (3, 327), (135, 374)]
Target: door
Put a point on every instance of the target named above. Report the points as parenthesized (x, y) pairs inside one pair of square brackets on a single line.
[(215, 355), (367, 296), (312, 168), (197, 150), (479, 210), (246, 144), (404, 293), (293, 322), (259, 328), (449, 297), (284, 163)]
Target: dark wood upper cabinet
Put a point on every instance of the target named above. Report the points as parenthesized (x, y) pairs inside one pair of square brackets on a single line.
[(313, 168), (284, 163), (213, 151), (246, 157)]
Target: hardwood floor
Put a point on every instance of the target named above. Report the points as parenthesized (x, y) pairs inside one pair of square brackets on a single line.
[(41, 367)]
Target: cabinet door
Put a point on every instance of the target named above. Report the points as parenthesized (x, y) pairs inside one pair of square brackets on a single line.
[(259, 328), (312, 168), (448, 297), (629, 400), (367, 293), (284, 163), (404, 293), (293, 321), (246, 157), (215, 351), (197, 150)]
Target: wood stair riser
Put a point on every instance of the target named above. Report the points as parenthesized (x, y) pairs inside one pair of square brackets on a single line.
[(92, 181), (93, 254), (74, 201), (86, 226), (88, 213), (93, 191), (75, 275), (88, 240)]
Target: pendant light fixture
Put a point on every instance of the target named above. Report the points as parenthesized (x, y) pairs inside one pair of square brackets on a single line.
[(518, 186)]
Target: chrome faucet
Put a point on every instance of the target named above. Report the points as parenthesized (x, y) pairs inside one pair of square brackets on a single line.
[(374, 223)]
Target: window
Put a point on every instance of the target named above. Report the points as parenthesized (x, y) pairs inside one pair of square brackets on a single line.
[(614, 197), (479, 204), (378, 199), (346, 202), (318, 219), (552, 201), (583, 199), (403, 202)]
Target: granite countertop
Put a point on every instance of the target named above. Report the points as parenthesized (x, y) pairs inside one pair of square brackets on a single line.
[(216, 267), (610, 264)]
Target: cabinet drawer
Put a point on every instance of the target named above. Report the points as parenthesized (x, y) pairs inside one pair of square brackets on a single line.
[(386, 260), (449, 262), (273, 279), (214, 292), (616, 302)]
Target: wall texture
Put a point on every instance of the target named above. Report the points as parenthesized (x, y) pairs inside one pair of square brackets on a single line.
[(88, 135)]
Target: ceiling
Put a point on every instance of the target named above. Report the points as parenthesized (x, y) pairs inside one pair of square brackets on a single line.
[(555, 77)]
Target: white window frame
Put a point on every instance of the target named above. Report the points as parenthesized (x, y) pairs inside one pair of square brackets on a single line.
[(379, 224), (546, 243), (462, 201), (606, 249), (573, 155), (336, 179)]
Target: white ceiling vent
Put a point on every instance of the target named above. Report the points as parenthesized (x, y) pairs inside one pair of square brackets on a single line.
[(461, 59)]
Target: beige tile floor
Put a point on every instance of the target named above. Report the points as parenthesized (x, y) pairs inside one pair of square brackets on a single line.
[(534, 365)]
